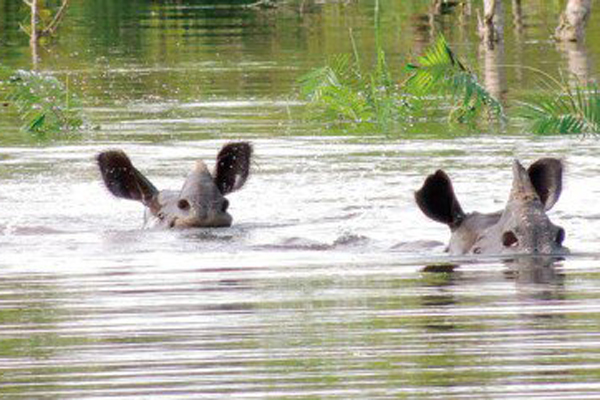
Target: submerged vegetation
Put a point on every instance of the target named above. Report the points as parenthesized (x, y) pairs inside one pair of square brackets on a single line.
[(564, 110), (441, 73), (361, 91), (46, 106), (346, 92), (343, 92)]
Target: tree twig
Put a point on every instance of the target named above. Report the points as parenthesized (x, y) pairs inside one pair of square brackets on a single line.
[(51, 28), (34, 20), (24, 29), (261, 3)]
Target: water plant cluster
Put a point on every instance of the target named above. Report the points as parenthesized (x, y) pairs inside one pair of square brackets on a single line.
[(341, 91), (439, 72), (46, 107), (561, 108), (344, 93)]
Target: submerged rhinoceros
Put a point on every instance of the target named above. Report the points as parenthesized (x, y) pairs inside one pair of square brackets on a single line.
[(522, 227), (200, 203)]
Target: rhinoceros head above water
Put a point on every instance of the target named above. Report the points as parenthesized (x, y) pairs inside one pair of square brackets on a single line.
[(201, 201), (522, 227)]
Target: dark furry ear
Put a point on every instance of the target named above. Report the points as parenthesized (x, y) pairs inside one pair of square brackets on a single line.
[(546, 177), (233, 166), (437, 200), (122, 179)]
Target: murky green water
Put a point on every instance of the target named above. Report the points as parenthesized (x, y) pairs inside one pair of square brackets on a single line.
[(320, 288)]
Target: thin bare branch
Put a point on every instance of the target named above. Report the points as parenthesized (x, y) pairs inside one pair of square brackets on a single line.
[(53, 26), (24, 29), (34, 21), (261, 3)]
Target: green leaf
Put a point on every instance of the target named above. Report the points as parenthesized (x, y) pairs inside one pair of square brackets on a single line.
[(36, 123), (44, 106), (570, 111), (439, 72)]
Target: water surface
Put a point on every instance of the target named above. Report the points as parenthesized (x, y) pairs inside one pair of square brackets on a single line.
[(324, 285)]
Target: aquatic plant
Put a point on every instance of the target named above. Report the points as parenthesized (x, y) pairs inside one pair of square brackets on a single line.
[(44, 104), (563, 110), (343, 92), (439, 72)]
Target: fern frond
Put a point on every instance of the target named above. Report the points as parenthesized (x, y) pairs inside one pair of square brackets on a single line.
[(440, 72), (438, 62), (342, 92), (339, 72), (576, 111)]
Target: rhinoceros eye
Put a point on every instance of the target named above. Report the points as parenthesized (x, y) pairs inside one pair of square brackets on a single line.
[(183, 204), (560, 236), (509, 239)]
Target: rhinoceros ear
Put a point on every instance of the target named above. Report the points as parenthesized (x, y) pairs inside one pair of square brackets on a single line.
[(437, 200), (122, 179), (546, 177), (233, 166)]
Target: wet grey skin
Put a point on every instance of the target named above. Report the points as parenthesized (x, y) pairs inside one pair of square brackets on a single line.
[(201, 201), (523, 227)]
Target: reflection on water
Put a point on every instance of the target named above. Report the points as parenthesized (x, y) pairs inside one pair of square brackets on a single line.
[(578, 62), (320, 288), (494, 73)]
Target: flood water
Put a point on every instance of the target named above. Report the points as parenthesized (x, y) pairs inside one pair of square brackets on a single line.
[(330, 284)]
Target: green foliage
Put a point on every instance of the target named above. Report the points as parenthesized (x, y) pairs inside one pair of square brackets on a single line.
[(441, 73), (45, 106), (574, 111), (342, 92)]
